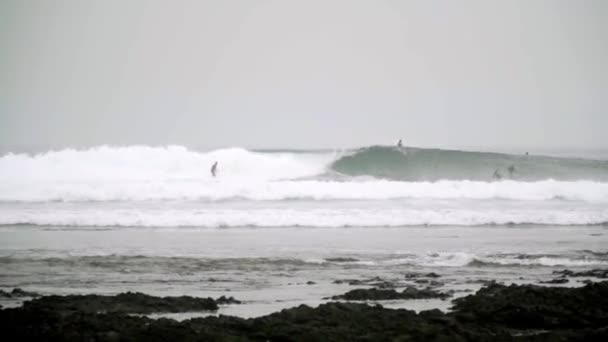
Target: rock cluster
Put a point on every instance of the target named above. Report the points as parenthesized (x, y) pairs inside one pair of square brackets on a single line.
[(495, 313), (18, 293), (597, 273), (409, 292), (127, 303)]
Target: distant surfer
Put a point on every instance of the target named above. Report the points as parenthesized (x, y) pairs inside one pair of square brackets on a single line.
[(214, 169), (511, 170), (399, 144), (496, 175)]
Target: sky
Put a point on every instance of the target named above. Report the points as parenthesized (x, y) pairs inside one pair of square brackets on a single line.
[(304, 74)]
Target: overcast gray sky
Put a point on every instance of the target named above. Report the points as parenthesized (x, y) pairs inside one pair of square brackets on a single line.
[(304, 74)]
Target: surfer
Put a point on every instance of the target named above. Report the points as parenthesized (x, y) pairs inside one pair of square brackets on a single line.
[(214, 169), (399, 144), (511, 170), (496, 175)]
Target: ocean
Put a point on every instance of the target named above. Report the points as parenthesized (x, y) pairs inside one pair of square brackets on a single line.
[(279, 228)]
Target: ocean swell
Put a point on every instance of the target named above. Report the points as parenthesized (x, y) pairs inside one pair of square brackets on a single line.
[(418, 164)]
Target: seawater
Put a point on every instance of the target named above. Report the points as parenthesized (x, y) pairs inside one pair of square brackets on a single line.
[(282, 228), (375, 186)]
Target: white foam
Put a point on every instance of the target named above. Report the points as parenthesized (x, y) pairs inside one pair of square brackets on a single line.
[(543, 261), (463, 258), (447, 259), (157, 164), (226, 189), (86, 215), (141, 173)]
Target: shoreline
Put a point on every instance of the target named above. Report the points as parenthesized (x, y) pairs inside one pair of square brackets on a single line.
[(496, 312)]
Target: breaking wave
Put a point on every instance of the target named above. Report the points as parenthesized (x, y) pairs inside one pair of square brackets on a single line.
[(189, 263), (141, 173)]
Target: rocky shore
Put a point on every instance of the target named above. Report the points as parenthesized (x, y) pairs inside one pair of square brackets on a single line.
[(409, 292), (495, 313)]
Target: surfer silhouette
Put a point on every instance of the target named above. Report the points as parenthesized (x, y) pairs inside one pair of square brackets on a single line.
[(496, 175), (214, 169), (511, 170), (399, 144)]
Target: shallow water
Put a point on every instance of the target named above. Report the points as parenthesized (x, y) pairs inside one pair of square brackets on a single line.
[(275, 268)]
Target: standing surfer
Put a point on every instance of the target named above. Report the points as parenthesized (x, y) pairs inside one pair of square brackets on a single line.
[(399, 144), (214, 169), (511, 170)]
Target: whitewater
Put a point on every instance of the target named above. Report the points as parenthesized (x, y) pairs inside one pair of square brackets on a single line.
[(371, 187)]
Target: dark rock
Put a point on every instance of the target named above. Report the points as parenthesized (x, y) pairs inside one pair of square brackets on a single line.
[(17, 292), (310, 282), (537, 307), (358, 282), (389, 294), (375, 281), (227, 300), (564, 273), (339, 259), (413, 275), (597, 273), (482, 281), (384, 285), (435, 283), (555, 281), (126, 303), (430, 282), (494, 313)]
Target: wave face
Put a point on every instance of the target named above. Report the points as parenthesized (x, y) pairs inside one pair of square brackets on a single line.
[(416, 164), (374, 186)]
